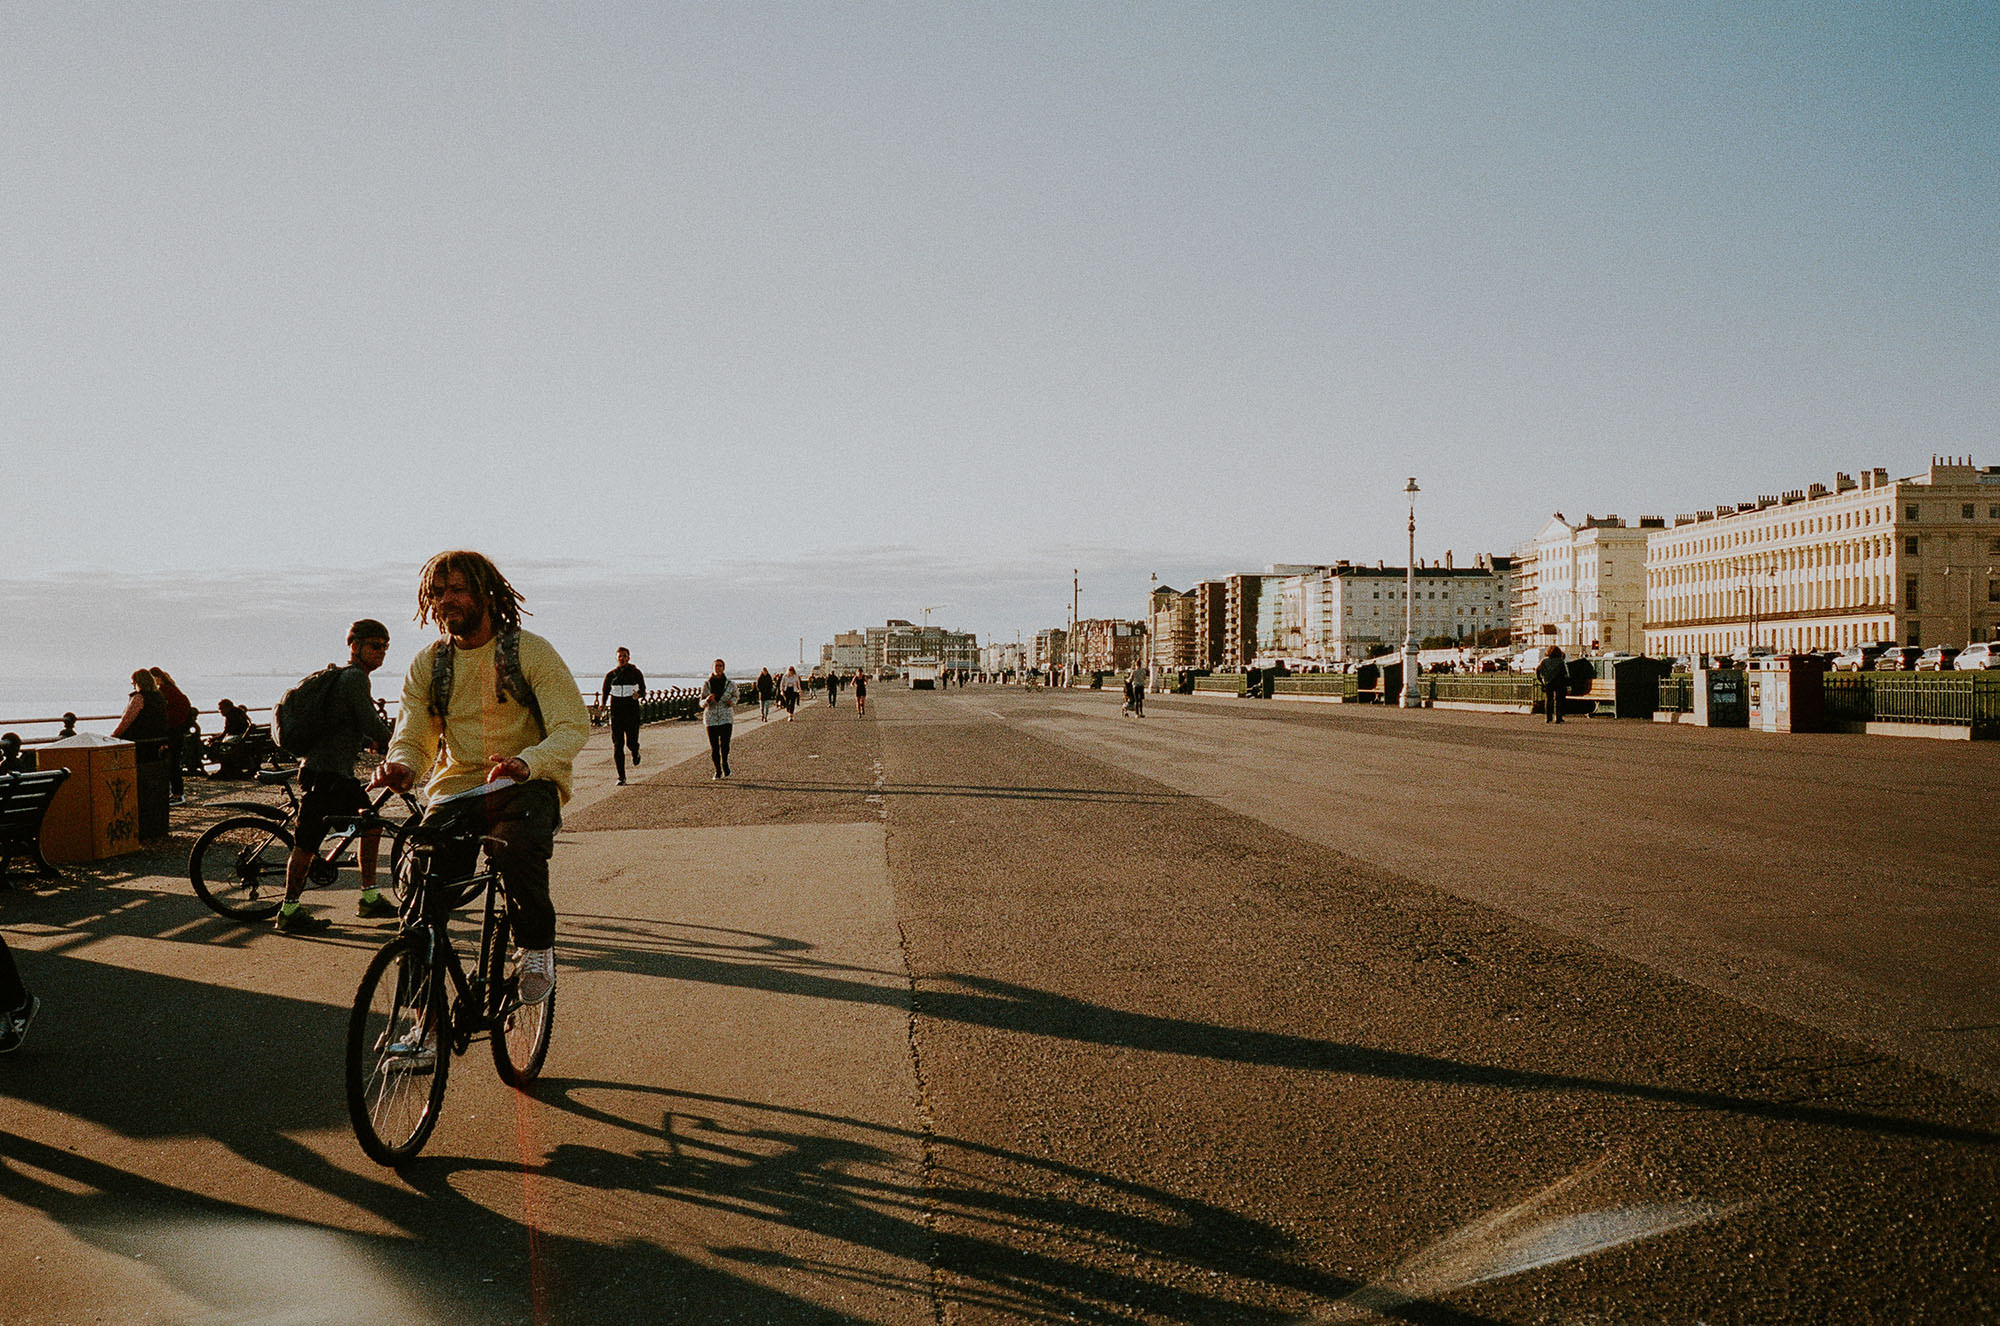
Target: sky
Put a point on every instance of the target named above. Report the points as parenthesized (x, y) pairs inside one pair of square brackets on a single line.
[(723, 325)]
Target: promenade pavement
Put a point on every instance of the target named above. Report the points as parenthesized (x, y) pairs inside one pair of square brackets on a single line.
[(996, 1007)]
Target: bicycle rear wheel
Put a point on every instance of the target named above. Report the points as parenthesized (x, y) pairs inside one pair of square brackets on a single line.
[(238, 867), (520, 1031), (398, 1050)]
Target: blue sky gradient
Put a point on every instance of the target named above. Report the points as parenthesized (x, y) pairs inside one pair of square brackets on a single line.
[(928, 303)]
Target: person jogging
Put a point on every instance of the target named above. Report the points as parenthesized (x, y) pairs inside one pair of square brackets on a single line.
[(623, 686), (860, 694), (493, 702), (718, 715), (347, 722)]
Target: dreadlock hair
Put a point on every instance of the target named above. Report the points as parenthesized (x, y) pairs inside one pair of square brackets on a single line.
[(501, 598)]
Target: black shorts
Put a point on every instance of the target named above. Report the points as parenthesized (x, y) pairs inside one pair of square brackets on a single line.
[(327, 796)]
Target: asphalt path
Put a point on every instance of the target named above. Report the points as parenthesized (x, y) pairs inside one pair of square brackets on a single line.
[(994, 1006)]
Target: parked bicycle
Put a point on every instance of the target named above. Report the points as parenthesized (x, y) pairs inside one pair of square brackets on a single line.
[(237, 866), (417, 1008)]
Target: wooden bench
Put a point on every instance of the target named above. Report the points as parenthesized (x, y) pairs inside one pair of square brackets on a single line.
[(240, 757), (24, 803)]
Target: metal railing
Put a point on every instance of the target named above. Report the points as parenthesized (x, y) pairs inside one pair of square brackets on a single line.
[(1479, 687), (1677, 693), (1340, 684), (1950, 699)]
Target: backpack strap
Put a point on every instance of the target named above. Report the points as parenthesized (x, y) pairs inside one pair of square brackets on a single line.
[(442, 656), (509, 679)]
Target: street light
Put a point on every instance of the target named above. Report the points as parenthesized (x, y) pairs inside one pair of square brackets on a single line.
[(1152, 637), (1410, 700)]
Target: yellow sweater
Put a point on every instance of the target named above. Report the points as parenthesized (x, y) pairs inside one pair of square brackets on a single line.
[(480, 726)]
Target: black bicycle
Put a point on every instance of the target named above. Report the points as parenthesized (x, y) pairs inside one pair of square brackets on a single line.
[(237, 866), (417, 1007)]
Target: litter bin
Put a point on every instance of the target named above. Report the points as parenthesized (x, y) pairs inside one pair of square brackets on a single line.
[(1721, 699), (1790, 696), (96, 813), (1635, 685)]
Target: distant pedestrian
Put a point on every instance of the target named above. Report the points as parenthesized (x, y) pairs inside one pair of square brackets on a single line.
[(767, 690), (623, 686), (1553, 674), (718, 703), (68, 726), (861, 693), (788, 693), (180, 713), (832, 690)]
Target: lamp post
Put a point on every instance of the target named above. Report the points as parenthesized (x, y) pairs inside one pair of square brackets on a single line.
[(1411, 699), (1152, 636)]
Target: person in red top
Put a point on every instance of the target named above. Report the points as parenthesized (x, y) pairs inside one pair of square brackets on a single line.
[(180, 712)]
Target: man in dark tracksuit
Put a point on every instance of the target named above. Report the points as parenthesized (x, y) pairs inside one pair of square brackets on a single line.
[(623, 686)]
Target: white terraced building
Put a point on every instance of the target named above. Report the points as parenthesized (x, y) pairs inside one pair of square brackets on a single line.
[(1914, 561), (1344, 613)]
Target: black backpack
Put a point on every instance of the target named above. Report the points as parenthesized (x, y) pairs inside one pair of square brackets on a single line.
[(304, 714)]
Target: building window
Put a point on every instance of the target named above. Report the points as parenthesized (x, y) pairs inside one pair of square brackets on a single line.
[(1916, 634), (1965, 512), (1910, 593), (1910, 545), (1993, 591), (1910, 512)]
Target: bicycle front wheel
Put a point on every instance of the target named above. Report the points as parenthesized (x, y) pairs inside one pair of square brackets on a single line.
[(520, 1031), (238, 867), (398, 1050)]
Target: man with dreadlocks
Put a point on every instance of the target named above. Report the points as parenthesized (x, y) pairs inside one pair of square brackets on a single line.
[(504, 705)]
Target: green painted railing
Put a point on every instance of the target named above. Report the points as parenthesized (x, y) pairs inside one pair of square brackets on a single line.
[(1336, 683), (1954, 699), (1224, 683), (1479, 687), (1677, 693)]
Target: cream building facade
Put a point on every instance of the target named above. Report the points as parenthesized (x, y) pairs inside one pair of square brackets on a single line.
[(1583, 586), (1911, 561)]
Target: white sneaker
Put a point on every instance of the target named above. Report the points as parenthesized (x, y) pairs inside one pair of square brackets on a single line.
[(414, 1052), (536, 979)]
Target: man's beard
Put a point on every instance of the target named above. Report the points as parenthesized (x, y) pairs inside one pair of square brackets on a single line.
[(466, 623)]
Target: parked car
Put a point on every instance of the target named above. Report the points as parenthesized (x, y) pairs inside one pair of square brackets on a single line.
[(1938, 658), (1859, 658), (1977, 657), (1898, 658)]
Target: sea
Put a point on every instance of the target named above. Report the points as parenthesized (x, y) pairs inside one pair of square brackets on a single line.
[(98, 700)]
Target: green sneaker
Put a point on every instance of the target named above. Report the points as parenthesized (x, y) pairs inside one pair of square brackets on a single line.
[(299, 921), (373, 905)]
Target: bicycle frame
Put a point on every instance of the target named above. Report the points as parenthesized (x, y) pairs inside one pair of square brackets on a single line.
[(478, 1003)]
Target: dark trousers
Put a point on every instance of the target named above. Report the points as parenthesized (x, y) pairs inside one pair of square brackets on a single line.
[(524, 820), (1552, 703), (12, 993), (718, 745), (624, 732)]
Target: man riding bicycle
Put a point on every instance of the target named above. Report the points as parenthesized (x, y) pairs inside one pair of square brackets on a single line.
[(502, 704), (348, 723)]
